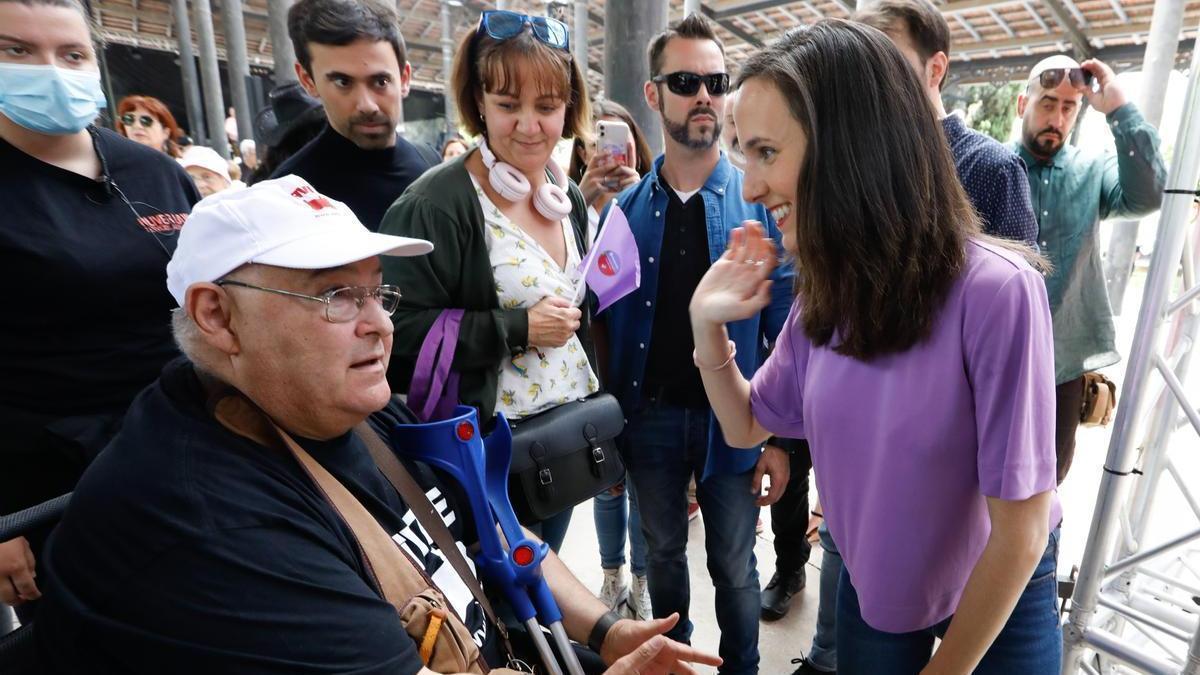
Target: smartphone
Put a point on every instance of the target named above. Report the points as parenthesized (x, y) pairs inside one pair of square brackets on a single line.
[(613, 137)]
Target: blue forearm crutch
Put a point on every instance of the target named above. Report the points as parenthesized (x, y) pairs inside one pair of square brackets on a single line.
[(481, 467)]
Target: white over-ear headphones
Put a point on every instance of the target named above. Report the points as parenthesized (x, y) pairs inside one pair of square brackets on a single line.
[(550, 200)]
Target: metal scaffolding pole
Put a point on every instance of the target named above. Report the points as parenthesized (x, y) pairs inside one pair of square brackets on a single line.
[(580, 37), (210, 78), (281, 44), (629, 26), (1080, 632), (690, 7), (1161, 47), (187, 70), (447, 66), (237, 65)]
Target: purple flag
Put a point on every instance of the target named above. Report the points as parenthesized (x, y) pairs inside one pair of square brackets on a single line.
[(612, 268)]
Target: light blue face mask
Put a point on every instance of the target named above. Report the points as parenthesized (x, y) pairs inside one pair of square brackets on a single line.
[(48, 99)]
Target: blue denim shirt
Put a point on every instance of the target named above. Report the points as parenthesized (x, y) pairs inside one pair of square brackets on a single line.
[(630, 319)]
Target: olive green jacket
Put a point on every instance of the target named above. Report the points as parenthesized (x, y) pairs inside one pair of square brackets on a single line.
[(443, 208)]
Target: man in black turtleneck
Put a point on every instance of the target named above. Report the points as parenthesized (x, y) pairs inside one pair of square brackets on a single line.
[(350, 54)]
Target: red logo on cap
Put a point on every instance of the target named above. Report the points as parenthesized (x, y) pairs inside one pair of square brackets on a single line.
[(317, 201)]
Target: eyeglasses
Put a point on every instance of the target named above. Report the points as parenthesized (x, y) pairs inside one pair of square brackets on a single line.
[(145, 121), (502, 24), (341, 304), (1079, 78), (687, 84)]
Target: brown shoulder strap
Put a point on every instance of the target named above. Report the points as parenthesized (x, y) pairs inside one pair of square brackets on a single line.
[(427, 514), (393, 571)]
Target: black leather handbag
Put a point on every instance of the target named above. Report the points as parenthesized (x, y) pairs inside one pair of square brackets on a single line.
[(561, 457), (565, 456)]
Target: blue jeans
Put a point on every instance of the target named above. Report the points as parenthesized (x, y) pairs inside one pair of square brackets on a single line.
[(1030, 642), (823, 654), (664, 447), (611, 518), (553, 530)]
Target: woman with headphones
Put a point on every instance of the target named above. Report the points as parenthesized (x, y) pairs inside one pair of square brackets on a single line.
[(509, 230)]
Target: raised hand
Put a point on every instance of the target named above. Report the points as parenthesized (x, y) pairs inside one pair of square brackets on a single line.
[(1109, 95), (737, 286)]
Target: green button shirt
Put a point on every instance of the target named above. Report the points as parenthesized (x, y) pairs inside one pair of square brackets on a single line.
[(1071, 193)]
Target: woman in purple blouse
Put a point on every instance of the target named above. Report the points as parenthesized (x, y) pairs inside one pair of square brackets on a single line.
[(917, 361)]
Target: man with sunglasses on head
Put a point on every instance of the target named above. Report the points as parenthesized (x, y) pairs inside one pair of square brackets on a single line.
[(682, 213), (1073, 189), (350, 55)]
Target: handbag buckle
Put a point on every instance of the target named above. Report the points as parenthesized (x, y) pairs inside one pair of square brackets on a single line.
[(597, 454), (545, 477)]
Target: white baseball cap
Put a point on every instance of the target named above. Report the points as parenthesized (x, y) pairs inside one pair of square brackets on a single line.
[(206, 158), (283, 222)]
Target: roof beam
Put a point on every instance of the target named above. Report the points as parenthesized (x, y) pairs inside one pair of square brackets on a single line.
[(1121, 57), (1102, 33), (758, 6), (731, 27), (1079, 39)]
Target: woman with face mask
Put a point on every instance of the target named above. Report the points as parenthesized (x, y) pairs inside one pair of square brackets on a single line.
[(88, 225)]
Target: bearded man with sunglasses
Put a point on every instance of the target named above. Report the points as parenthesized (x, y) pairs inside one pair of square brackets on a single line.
[(681, 213), (1072, 189)]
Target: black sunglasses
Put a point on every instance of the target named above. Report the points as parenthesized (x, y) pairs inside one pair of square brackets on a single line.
[(1078, 77), (501, 24), (145, 120), (686, 84)]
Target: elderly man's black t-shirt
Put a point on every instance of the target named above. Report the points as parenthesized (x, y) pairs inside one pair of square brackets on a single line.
[(187, 549)]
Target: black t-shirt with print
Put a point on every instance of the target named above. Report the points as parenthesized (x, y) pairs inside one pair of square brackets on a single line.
[(188, 549), (85, 320)]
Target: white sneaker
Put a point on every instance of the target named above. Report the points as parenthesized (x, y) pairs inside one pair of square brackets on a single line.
[(639, 599), (615, 590)]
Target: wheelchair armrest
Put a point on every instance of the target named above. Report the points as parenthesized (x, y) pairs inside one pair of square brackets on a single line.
[(33, 518)]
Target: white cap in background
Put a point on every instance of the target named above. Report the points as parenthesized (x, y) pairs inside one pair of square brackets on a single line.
[(206, 158)]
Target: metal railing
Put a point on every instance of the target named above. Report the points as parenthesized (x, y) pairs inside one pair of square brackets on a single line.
[(1135, 603)]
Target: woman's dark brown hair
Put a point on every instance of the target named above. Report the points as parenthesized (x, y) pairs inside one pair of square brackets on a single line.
[(602, 108), (484, 64), (159, 111), (881, 222)]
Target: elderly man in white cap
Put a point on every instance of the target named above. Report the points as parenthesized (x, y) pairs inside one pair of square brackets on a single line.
[(209, 171), (209, 536), (1073, 189)]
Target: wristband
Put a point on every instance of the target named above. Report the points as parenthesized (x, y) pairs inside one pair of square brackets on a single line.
[(701, 366), (600, 630)]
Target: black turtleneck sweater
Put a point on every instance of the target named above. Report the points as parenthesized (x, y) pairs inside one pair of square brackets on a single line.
[(368, 181)]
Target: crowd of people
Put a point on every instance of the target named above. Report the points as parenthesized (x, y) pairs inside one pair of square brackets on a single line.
[(837, 278)]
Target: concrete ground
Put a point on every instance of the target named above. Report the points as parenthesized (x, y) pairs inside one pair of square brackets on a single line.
[(779, 641)]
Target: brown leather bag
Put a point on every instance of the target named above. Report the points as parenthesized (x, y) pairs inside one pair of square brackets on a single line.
[(1099, 400), (444, 641)]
